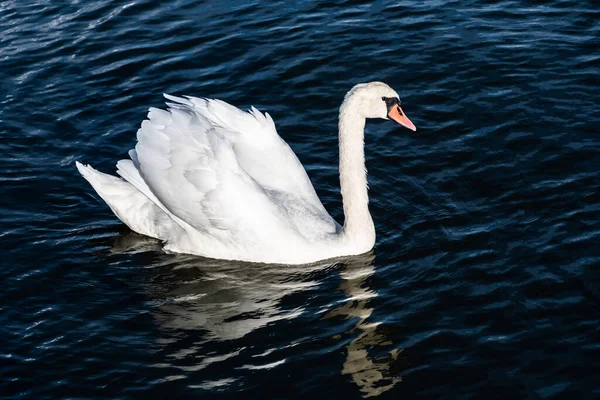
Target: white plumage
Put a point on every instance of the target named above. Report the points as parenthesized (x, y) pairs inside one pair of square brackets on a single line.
[(212, 180)]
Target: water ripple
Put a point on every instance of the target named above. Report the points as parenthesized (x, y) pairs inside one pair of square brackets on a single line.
[(484, 280)]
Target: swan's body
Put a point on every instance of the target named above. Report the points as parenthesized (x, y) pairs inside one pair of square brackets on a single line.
[(212, 180)]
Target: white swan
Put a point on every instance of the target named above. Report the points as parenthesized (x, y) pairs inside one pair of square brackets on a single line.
[(212, 180)]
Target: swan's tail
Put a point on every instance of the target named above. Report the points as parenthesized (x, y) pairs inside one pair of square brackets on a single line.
[(129, 204)]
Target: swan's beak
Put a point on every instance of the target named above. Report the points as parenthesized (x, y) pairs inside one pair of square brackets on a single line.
[(398, 115)]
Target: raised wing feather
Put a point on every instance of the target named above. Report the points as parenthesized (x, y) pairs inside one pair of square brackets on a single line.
[(267, 158), (220, 171)]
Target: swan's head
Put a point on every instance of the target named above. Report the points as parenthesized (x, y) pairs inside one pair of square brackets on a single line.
[(378, 100)]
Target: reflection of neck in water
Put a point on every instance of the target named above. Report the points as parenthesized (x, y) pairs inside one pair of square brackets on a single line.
[(373, 378), (225, 301)]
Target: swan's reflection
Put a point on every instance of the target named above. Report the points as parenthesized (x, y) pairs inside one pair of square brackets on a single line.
[(373, 376), (202, 301), (225, 299)]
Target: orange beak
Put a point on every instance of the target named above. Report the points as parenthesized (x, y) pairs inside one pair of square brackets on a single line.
[(398, 115)]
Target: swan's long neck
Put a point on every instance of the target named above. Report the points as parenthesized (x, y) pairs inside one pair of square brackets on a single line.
[(358, 224)]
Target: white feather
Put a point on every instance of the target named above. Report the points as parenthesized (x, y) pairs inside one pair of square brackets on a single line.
[(213, 180)]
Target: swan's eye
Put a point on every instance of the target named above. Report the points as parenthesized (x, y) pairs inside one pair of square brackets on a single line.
[(391, 102)]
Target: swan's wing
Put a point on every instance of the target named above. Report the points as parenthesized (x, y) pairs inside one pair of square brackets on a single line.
[(130, 205), (189, 168), (264, 155), (187, 165)]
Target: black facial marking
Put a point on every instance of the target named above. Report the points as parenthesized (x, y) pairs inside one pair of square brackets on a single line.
[(391, 102)]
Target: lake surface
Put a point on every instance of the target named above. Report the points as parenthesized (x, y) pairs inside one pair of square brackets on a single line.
[(485, 280)]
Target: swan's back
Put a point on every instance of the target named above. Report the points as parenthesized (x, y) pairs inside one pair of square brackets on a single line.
[(228, 180)]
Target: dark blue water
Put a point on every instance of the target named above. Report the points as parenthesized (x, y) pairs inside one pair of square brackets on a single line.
[(485, 280)]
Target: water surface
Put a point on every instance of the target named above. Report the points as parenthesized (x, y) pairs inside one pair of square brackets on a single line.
[(484, 282)]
